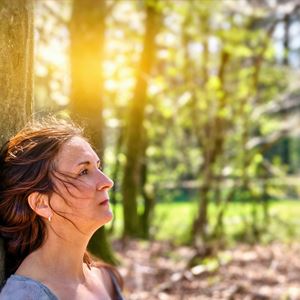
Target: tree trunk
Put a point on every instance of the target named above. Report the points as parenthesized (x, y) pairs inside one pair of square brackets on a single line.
[(16, 76), (16, 63), (87, 30), (213, 150), (134, 144), (285, 143), (116, 175), (147, 192)]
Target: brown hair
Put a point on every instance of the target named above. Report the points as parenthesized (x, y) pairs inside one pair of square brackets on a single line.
[(27, 166)]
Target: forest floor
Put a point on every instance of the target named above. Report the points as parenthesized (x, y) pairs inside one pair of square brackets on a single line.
[(158, 271)]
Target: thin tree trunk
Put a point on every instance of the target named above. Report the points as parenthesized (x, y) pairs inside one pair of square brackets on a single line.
[(212, 152), (16, 72), (286, 41), (247, 155), (116, 175), (148, 195), (134, 144), (285, 143), (87, 30)]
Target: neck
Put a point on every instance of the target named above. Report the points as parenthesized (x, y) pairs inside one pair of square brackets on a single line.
[(61, 255)]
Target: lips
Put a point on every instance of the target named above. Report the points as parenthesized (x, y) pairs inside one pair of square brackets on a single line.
[(104, 202)]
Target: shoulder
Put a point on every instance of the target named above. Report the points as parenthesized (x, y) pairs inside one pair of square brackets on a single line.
[(104, 275), (113, 279), (22, 288)]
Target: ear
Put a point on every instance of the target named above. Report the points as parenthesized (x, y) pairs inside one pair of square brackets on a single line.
[(39, 203)]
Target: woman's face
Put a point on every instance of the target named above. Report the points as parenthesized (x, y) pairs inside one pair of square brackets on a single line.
[(82, 195)]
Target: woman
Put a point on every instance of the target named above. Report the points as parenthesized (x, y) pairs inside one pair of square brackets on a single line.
[(53, 197)]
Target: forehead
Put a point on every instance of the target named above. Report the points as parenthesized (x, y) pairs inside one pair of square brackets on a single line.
[(73, 152)]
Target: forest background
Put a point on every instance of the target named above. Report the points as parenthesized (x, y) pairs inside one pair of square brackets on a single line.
[(193, 107)]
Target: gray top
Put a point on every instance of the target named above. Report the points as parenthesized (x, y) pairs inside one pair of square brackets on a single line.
[(24, 288), (19, 287)]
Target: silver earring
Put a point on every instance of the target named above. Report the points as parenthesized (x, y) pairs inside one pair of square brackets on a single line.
[(49, 218)]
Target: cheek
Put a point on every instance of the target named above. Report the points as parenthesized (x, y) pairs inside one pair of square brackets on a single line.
[(72, 199), (81, 195), (77, 191), (70, 206)]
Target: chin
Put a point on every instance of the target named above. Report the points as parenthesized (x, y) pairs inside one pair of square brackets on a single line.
[(105, 218)]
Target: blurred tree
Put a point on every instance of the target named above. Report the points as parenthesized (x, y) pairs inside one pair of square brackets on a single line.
[(16, 65), (134, 144), (227, 84), (206, 115), (87, 30)]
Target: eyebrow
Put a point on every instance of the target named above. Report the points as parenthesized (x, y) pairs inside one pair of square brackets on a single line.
[(87, 162)]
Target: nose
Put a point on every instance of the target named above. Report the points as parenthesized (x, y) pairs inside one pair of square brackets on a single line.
[(104, 183)]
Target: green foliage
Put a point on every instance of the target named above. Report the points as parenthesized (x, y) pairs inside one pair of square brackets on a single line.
[(173, 220), (211, 93)]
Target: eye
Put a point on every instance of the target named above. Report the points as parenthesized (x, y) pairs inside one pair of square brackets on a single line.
[(83, 172)]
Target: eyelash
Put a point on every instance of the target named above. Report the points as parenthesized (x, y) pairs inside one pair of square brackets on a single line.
[(85, 171)]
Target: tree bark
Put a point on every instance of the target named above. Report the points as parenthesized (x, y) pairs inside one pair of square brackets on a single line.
[(134, 144), (16, 63), (87, 30), (16, 72)]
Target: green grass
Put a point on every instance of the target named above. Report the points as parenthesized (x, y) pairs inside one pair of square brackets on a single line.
[(172, 221)]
